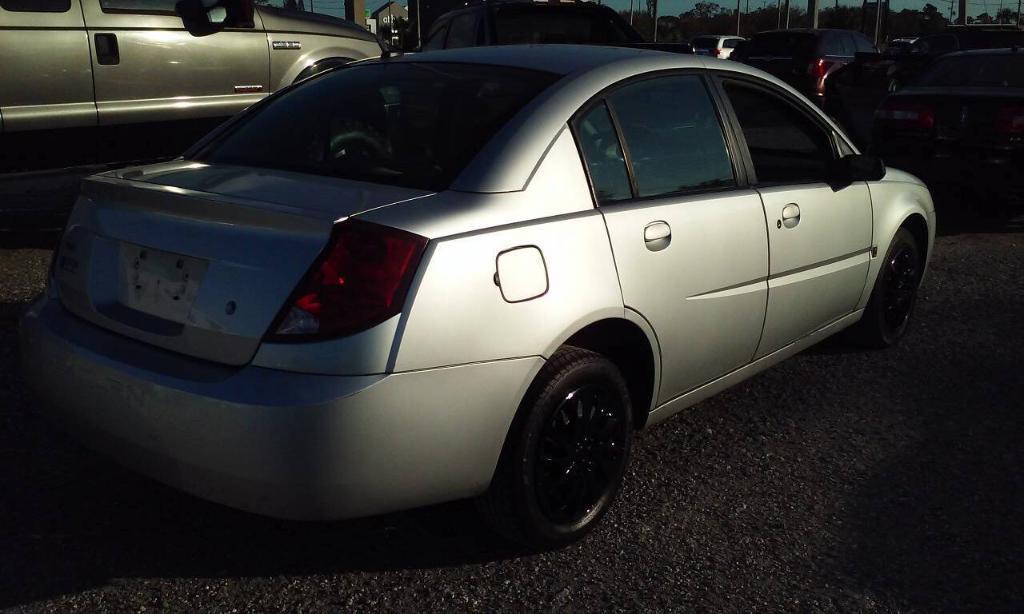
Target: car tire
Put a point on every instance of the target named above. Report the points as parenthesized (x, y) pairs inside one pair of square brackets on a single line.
[(566, 454), (891, 306)]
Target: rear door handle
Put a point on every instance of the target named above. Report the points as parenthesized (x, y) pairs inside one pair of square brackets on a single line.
[(107, 52), (790, 216), (657, 236)]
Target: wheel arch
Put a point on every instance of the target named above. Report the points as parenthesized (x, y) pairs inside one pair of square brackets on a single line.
[(629, 342)]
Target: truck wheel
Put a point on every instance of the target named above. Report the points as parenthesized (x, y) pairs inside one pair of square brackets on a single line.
[(565, 455)]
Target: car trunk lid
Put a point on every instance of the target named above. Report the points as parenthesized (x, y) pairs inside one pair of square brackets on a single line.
[(191, 260)]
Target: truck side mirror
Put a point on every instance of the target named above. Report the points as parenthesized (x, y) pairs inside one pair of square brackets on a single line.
[(204, 17)]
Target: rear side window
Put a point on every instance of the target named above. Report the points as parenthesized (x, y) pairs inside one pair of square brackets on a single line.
[(705, 43), (463, 31), (599, 144), (413, 124), (525, 24), (36, 6), (783, 45), (861, 43), (730, 43), (673, 148), (785, 145), (992, 71)]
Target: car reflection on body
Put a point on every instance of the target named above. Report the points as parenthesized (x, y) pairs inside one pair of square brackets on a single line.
[(464, 274)]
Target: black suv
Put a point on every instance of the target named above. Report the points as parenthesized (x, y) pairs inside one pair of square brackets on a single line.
[(803, 58)]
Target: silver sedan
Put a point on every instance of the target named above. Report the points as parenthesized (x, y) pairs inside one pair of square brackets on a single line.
[(464, 274)]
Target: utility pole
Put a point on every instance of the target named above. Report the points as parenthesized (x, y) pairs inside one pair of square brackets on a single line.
[(738, 14), (812, 13), (787, 14), (778, 13), (878, 21), (655, 37), (962, 17)]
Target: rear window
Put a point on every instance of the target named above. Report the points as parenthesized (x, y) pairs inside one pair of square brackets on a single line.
[(705, 43), (783, 44), (406, 124), (518, 25), (976, 71)]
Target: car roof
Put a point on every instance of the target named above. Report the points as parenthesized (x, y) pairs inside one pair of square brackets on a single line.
[(556, 58), (976, 52)]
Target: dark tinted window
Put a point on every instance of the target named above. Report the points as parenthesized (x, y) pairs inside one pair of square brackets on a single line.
[(435, 40), (785, 145), (407, 124), (783, 44), (463, 31), (835, 43), (705, 42), (673, 136), (525, 24), (976, 71), (140, 6), (730, 43), (861, 42), (934, 45), (36, 6), (605, 162)]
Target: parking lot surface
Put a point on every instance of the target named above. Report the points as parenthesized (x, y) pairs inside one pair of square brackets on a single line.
[(841, 480)]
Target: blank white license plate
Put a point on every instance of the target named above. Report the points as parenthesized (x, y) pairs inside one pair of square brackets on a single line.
[(162, 284)]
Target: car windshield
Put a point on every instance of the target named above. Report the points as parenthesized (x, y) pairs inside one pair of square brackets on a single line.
[(988, 70), (525, 24), (782, 44), (705, 43), (406, 124)]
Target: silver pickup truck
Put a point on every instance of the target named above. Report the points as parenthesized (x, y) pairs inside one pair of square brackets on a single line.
[(79, 63)]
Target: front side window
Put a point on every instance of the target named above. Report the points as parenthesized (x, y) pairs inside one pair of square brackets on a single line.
[(435, 40), (411, 124), (673, 136), (785, 145), (36, 6), (599, 144), (463, 32)]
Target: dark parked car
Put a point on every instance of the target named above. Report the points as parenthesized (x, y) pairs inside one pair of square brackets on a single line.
[(803, 58), (960, 126), (518, 23), (855, 91)]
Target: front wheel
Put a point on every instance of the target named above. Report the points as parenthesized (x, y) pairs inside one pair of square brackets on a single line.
[(894, 296), (566, 453)]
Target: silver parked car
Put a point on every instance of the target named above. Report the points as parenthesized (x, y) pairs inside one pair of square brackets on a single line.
[(465, 273)]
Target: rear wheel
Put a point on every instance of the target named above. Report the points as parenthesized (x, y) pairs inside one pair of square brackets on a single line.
[(892, 301), (566, 454)]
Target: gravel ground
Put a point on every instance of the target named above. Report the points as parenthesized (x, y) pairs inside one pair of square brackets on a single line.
[(837, 481)]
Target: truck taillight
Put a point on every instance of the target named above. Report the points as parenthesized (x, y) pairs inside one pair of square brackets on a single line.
[(359, 281), (906, 114), (1010, 120), (715, 51)]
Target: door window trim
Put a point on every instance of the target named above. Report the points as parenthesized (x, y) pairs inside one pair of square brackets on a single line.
[(739, 170), (720, 78)]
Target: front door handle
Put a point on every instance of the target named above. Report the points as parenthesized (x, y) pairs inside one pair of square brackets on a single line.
[(107, 52), (657, 236), (790, 216)]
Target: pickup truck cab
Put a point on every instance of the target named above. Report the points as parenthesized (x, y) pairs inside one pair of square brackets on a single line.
[(82, 64)]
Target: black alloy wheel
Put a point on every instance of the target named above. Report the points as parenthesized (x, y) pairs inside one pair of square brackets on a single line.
[(891, 306), (565, 455)]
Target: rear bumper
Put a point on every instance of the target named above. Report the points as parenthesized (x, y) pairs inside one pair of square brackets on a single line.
[(283, 444)]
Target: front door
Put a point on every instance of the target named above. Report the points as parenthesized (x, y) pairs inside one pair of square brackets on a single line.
[(689, 243), (819, 235), (148, 67)]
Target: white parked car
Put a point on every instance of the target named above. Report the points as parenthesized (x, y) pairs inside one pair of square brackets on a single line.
[(464, 274), (718, 46)]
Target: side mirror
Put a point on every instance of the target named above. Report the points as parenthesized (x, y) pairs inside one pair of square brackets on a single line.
[(860, 167), (203, 17)]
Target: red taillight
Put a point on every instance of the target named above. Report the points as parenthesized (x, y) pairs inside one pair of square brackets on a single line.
[(1010, 120), (715, 51), (819, 68), (906, 114), (359, 281)]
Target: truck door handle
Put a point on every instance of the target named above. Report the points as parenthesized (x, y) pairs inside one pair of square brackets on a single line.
[(657, 236), (107, 53), (790, 216)]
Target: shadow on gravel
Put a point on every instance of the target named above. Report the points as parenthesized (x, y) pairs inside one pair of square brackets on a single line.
[(942, 521)]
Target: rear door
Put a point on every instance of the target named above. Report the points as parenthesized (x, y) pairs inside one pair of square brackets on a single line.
[(819, 236), (689, 241), (45, 73), (149, 68)]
